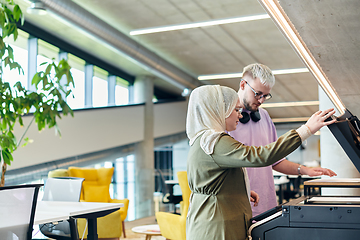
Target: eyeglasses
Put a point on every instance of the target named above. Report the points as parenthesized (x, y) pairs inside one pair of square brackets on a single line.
[(259, 96), (238, 110)]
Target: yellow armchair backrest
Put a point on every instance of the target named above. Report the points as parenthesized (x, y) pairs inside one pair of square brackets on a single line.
[(58, 173), (173, 226), (96, 189), (97, 181), (185, 190)]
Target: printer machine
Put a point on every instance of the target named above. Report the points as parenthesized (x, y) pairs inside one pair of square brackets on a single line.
[(318, 217)]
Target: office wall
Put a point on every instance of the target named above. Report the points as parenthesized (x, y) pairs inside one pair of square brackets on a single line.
[(307, 155), (169, 118), (95, 130)]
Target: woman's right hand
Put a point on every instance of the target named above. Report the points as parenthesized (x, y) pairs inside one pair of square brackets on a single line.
[(317, 120)]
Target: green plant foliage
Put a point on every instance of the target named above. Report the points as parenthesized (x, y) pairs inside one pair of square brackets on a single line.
[(47, 103)]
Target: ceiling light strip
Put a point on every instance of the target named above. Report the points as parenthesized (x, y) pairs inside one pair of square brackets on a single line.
[(288, 120), (283, 22), (198, 24), (290, 104), (239, 75), (290, 71), (220, 76)]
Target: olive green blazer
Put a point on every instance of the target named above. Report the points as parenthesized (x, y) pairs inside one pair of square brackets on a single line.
[(219, 205)]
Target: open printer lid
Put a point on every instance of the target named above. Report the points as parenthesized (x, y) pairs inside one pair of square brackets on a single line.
[(346, 130)]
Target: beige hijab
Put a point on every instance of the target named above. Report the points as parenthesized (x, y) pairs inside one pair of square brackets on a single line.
[(208, 108)]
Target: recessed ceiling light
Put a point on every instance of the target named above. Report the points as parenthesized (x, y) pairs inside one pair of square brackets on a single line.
[(36, 8), (198, 24), (239, 75), (185, 92)]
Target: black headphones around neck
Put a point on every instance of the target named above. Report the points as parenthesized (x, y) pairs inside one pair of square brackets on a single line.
[(255, 116)]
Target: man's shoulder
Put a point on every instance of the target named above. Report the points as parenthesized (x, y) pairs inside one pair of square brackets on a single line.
[(264, 114), (263, 111)]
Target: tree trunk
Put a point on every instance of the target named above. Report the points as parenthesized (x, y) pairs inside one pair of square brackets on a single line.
[(2, 183)]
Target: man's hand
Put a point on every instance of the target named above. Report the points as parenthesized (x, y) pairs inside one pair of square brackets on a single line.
[(254, 197), (317, 171), (290, 168)]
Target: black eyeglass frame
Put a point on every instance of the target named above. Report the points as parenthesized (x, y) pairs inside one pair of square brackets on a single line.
[(258, 96)]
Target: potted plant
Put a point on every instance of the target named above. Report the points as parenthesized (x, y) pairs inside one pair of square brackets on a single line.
[(47, 104)]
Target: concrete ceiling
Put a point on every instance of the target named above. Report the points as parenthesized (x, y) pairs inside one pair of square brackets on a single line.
[(331, 31), (329, 28)]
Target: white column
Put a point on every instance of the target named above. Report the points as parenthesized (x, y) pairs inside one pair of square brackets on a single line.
[(32, 61), (63, 81), (89, 72), (144, 151), (333, 156), (111, 89)]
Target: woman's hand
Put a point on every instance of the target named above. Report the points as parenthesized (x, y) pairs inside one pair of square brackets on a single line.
[(317, 120), (254, 197)]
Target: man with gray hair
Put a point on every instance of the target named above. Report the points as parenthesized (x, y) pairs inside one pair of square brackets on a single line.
[(257, 129)]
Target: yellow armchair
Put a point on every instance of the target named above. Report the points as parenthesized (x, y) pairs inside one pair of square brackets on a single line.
[(96, 189), (173, 226)]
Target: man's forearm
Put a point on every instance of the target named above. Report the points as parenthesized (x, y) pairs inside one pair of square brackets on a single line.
[(287, 167), (291, 168)]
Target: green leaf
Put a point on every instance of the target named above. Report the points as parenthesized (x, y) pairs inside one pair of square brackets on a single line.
[(48, 69), (12, 136), (2, 19), (5, 31), (21, 121), (66, 109), (69, 78), (10, 51), (12, 29), (15, 32), (7, 156), (36, 79), (26, 141), (68, 93), (19, 86), (17, 65), (6, 61), (17, 12), (24, 144), (2, 45), (43, 63), (3, 123)]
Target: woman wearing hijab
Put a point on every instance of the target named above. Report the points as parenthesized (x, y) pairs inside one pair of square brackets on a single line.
[(219, 202)]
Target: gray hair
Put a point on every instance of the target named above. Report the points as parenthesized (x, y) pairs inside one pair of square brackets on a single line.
[(263, 72)]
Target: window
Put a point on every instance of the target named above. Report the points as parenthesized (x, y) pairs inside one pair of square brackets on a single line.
[(121, 92), (76, 100), (100, 87), (124, 178), (46, 53), (20, 56), (123, 184)]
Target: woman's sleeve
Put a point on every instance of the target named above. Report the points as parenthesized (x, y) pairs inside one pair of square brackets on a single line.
[(229, 153)]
